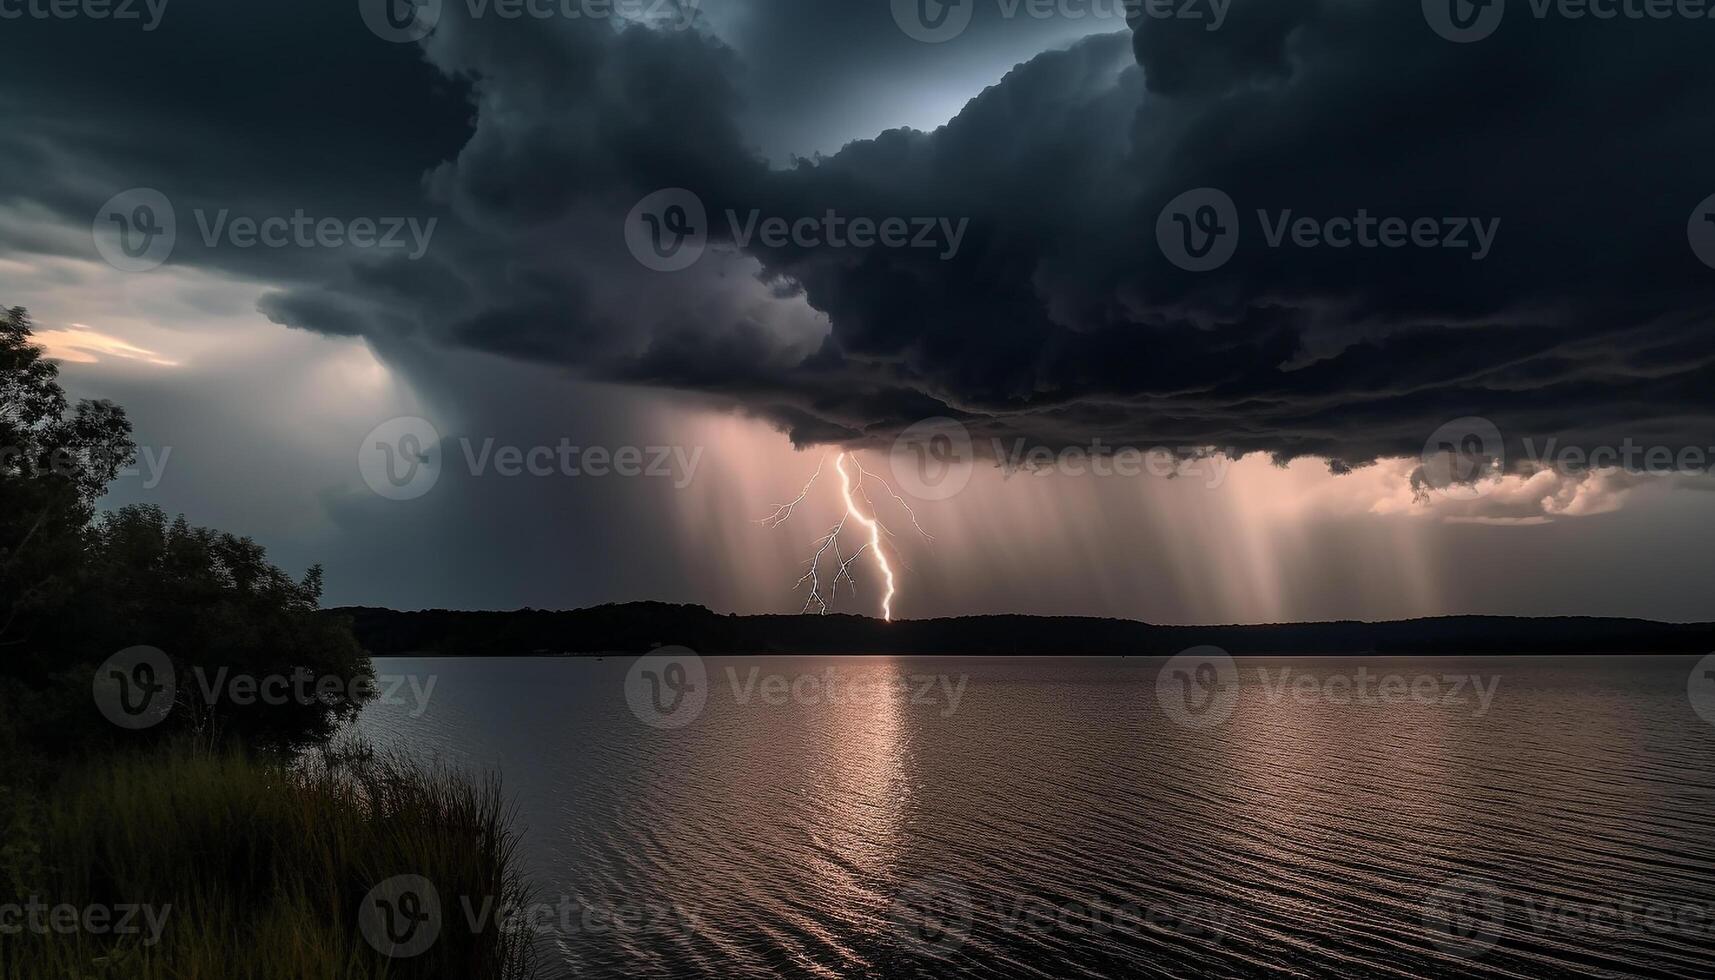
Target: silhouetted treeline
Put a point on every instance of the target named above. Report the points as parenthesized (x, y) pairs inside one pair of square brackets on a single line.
[(78, 585), (638, 626)]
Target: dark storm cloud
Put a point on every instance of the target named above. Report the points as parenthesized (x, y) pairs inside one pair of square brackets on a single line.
[(1057, 317), (257, 109), (1181, 56), (819, 74)]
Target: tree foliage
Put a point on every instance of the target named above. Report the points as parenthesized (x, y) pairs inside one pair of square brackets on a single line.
[(54, 464), (77, 585)]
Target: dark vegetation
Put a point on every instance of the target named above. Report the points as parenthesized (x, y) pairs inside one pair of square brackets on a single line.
[(77, 586), (233, 817), (638, 626)]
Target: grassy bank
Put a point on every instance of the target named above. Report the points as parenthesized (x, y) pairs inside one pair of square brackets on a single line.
[(242, 867)]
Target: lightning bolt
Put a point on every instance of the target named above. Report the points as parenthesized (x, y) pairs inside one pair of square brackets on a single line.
[(874, 526), (829, 542)]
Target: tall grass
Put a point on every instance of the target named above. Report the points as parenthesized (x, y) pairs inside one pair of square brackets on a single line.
[(263, 867)]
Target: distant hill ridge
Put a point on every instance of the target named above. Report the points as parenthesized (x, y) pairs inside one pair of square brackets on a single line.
[(634, 627)]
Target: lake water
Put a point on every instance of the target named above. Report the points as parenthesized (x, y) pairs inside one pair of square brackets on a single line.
[(898, 817)]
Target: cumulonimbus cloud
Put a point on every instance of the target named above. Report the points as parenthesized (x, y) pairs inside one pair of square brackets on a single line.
[(1058, 317)]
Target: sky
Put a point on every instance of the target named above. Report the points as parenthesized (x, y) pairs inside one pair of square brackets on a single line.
[(1228, 311)]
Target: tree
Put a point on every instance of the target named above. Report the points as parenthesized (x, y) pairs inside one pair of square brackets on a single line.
[(53, 467), (76, 587), (216, 606)]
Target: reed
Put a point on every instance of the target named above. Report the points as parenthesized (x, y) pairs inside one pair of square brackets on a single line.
[(261, 866)]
